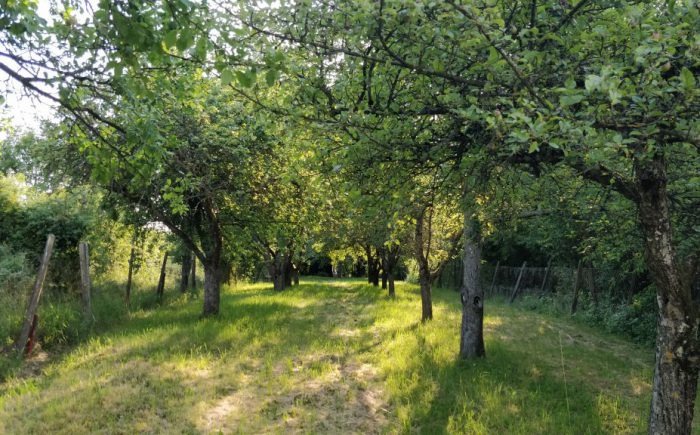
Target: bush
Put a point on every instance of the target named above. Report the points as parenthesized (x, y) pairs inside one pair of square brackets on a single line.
[(635, 320), (14, 270)]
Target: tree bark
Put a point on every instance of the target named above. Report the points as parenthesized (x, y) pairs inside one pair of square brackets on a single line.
[(213, 273), (426, 298), (295, 275), (423, 272), (472, 332), (185, 271), (193, 275), (370, 263), (676, 369), (161, 280), (277, 271), (392, 289), (288, 270)]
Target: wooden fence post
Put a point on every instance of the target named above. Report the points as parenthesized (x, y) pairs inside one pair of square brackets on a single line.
[(577, 286), (161, 280), (546, 275), (517, 283), (36, 294), (85, 284), (132, 258), (495, 274), (594, 287)]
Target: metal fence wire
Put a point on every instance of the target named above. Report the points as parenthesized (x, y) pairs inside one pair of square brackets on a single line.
[(500, 280)]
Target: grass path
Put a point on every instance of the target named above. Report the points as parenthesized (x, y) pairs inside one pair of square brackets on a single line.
[(334, 357)]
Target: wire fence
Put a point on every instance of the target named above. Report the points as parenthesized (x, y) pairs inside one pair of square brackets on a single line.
[(499, 280)]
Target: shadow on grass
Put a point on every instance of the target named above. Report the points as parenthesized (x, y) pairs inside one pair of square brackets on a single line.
[(514, 390)]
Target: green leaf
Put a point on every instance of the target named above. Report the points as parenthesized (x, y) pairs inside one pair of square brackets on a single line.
[(534, 146), (226, 77), (170, 38), (687, 78), (186, 40), (271, 76), (569, 100), (246, 79), (593, 82)]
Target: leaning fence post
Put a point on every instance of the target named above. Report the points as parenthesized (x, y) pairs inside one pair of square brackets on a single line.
[(577, 286), (132, 259), (36, 294), (517, 283), (594, 287), (495, 274), (546, 275), (85, 285)]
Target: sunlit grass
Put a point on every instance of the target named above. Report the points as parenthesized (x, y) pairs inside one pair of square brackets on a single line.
[(329, 357)]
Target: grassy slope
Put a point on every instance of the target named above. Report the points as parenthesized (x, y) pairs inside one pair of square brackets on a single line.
[(334, 356)]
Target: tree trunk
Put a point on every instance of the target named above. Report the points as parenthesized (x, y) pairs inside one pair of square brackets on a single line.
[(423, 271), (185, 271), (385, 277), (295, 274), (390, 278), (193, 275), (426, 297), (288, 270), (213, 273), (334, 270), (278, 272), (161, 279), (370, 264), (472, 333), (375, 274), (676, 369)]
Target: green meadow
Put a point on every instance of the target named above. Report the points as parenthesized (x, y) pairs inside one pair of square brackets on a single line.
[(331, 356)]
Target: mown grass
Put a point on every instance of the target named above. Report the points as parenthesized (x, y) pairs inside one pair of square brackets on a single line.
[(333, 357)]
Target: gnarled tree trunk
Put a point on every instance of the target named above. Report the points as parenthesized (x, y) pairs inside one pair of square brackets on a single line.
[(472, 332), (676, 369), (213, 274)]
